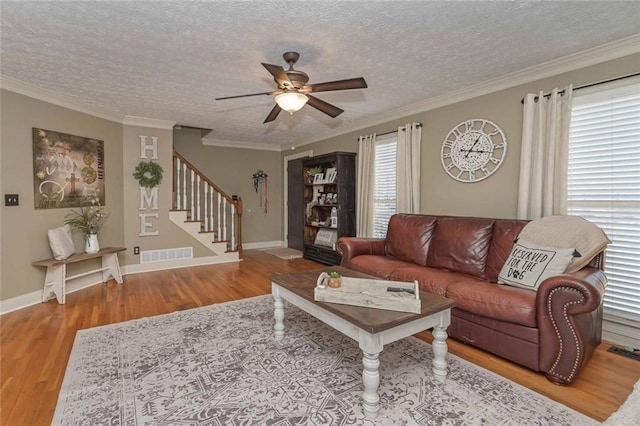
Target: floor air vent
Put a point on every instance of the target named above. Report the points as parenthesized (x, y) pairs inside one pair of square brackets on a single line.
[(150, 256), (633, 355)]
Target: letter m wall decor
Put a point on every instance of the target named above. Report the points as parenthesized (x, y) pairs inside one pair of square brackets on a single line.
[(68, 170)]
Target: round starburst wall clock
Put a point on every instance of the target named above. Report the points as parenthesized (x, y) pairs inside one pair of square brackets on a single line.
[(473, 150)]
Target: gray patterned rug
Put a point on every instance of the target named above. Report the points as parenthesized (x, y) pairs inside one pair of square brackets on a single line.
[(220, 365)]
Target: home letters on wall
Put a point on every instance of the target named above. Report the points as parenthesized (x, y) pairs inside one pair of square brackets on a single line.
[(68, 170), (148, 196)]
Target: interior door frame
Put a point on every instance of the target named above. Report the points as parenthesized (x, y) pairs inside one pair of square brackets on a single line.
[(286, 190)]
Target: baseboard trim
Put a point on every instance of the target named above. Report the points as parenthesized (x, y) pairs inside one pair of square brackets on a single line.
[(262, 244), (35, 297)]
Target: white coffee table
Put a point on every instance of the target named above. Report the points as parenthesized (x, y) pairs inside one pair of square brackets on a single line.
[(371, 328)]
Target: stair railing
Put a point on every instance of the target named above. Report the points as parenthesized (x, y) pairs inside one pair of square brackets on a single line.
[(204, 201)]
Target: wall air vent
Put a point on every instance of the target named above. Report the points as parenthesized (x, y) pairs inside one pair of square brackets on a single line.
[(152, 256)]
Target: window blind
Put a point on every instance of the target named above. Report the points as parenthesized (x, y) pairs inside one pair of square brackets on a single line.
[(384, 192), (603, 185)]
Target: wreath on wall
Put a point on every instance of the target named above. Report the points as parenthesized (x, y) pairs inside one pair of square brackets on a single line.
[(148, 174)]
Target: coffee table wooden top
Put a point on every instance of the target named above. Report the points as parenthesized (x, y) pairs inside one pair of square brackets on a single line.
[(369, 319)]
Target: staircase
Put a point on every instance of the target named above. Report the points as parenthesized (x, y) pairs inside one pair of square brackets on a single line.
[(206, 212)]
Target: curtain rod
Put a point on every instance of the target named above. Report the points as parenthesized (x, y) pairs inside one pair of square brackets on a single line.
[(388, 133), (597, 83)]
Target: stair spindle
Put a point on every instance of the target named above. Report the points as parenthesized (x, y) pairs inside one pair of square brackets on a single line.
[(224, 218), (184, 186), (219, 216), (233, 234), (211, 224), (205, 214), (177, 181), (191, 195), (198, 216)]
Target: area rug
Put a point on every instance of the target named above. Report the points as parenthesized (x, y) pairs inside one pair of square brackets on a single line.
[(220, 365), (629, 412), (285, 253)]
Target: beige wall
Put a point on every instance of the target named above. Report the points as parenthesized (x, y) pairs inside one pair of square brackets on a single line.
[(231, 169), (24, 229), (497, 195)]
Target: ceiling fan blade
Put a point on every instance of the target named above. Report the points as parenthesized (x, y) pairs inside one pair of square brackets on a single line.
[(244, 96), (273, 114), (352, 83), (323, 106), (278, 73)]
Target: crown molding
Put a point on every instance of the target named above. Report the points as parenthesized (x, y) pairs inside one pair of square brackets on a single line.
[(132, 120), (14, 85), (606, 52), (241, 144)]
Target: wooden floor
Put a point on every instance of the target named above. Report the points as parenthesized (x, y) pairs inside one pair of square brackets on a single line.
[(35, 342)]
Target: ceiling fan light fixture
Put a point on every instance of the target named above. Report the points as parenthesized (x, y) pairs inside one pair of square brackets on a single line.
[(291, 101)]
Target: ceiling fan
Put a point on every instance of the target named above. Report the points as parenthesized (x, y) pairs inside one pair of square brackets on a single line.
[(293, 91)]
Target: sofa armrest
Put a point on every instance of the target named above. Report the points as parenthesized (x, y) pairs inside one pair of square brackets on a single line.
[(569, 318), (350, 247)]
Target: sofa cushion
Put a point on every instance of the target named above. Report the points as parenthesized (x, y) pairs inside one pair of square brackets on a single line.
[(408, 237), (505, 232), (461, 244), (431, 280), (530, 264), (378, 266), (495, 301)]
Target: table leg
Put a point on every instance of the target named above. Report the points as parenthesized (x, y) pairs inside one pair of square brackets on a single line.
[(439, 346), (371, 381), (278, 315), (110, 262), (55, 283)]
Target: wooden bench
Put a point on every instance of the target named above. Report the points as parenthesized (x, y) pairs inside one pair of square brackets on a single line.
[(56, 278)]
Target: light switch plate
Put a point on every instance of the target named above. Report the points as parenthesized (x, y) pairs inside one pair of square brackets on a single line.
[(10, 199)]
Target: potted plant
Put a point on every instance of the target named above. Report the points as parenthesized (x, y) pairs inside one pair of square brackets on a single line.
[(88, 220), (334, 279), (311, 173)]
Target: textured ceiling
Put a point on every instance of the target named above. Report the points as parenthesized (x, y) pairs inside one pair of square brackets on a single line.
[(169, 60)]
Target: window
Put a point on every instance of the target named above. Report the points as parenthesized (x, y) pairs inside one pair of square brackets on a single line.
[(604, 184), (384, 186)]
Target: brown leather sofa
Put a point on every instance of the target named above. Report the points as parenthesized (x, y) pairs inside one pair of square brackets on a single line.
[(552, 330)]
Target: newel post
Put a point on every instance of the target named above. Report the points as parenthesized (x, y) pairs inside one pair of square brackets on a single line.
[(239, 212)]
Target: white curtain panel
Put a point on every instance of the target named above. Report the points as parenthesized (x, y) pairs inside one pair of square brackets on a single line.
[(408, 168), (364, 182), (542, 190)]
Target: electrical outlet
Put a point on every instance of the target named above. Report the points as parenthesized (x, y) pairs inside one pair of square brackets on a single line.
[(136, 250), (10, 199)]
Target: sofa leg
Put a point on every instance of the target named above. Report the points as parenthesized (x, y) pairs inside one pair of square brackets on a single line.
[(556, 380)]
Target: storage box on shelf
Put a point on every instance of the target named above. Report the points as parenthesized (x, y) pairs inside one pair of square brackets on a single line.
[(329, 200)]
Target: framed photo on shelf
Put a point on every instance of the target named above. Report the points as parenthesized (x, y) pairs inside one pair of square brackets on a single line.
[(318, 178), (326, 237), (323, 198), (328, 198), (335, 198), (331, 174)]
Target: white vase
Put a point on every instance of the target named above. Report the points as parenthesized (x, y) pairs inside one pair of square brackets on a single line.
[(91, 244)]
